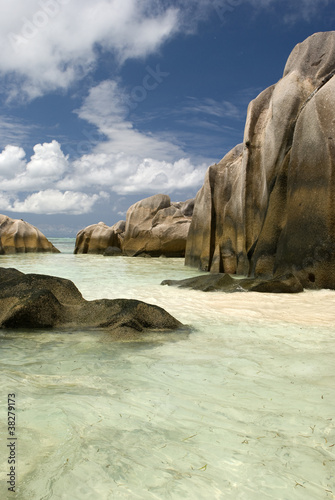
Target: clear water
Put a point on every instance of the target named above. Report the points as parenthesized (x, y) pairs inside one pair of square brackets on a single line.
[(243, 408)]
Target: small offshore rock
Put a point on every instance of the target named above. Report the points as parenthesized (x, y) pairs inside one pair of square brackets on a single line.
[(225, 283)]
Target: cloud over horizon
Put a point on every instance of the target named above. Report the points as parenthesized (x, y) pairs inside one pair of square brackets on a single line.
[(60, 186)]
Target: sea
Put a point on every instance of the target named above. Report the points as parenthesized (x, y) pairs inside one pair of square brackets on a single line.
[(241, 406)]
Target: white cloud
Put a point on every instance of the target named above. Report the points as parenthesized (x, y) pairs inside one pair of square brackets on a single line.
[(209, 106), (52, 201), (48, 161), (11, 162), (49, 44), (129, 161), (60, 186), (107, 107), (124, 174), (47, 165), (161, 176)]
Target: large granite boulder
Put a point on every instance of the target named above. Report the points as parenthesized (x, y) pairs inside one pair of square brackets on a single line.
[(155, 226), (18, 236), (40, 301), (98, 237), (267, 208)]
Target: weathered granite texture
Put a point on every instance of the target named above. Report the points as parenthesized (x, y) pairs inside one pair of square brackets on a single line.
[(153, 227), (18, 236), (268, 207), (98, 237), (40, 301)]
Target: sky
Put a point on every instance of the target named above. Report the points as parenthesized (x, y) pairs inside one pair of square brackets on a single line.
[(106, 102)]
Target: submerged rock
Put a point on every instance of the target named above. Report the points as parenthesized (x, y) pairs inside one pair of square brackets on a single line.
[(18, 236), (225, 283), (41, 301), (267, 208), (112, 252)]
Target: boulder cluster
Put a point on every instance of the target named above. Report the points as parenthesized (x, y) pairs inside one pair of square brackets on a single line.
[(153, 227)]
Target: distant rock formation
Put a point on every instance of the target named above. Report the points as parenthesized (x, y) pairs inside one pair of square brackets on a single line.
[(40, 301), (98, 237), (268, 208), (18, 236), (153, 227)]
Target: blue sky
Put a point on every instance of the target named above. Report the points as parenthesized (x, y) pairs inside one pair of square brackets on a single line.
[(105, 102)]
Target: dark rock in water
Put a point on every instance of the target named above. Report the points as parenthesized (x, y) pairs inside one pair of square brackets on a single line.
[(112, 252), (282, 284), (207, 283), (225, 283), (40, 301)]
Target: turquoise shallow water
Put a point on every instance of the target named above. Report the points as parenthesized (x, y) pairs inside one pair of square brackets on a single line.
[(242, 408)]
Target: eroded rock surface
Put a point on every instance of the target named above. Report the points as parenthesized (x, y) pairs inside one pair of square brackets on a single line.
[(40, 301), (268, 207), (155, 226), (18, 236), (98, 237)]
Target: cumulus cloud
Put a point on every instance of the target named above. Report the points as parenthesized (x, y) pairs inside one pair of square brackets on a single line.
[(52, 201), (60, 186), (124, 174), (52, 43), (153, 176), (127, 162), (46, 166), (11, 162)]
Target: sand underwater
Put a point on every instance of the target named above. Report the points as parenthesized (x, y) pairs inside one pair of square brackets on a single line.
[(242, 408)]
